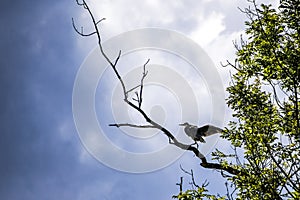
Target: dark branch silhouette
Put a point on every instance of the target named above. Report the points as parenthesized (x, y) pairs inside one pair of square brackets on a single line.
[(193, 183), (132, 125), (151, 124)]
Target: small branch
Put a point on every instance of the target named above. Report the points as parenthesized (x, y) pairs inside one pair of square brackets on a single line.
[(230, 64), (118, 57), (132, 89), (99, 21), (137, 99), (142, 83), (275, 95), (205, 184), (80, 4), (132, 125), (192, 176), (228, 169), (238, 161), (180, 185), (81, 32), (228, 194)]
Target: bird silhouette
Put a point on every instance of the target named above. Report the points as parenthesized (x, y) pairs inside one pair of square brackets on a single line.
[(197, 133)]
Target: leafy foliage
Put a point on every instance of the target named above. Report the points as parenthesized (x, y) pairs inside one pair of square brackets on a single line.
[(264, 96), (197, 194)]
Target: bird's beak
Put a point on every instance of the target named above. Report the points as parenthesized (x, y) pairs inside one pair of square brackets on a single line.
[(181, 124)]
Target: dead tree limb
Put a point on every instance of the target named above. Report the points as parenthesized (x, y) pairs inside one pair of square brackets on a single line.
[(172, 139), (132, 125)]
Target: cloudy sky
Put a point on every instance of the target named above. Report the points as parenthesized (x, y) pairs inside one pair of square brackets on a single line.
[(42, 155)]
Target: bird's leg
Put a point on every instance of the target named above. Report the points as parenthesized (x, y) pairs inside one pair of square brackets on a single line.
[(197, 145), (170, 141)]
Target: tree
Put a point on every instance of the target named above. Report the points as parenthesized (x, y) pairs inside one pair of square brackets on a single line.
[(264, 96)]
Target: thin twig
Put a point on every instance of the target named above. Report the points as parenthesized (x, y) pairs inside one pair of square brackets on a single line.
[(192, 176), (99, 21), (81, 32), (133, 89), (142, 83), (180, 185)]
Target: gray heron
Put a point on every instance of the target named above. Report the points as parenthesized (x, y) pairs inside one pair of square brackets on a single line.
[(197, 133)]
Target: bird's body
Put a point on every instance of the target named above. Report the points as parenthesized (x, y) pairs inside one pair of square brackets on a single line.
[(194, 133), (197, 133)]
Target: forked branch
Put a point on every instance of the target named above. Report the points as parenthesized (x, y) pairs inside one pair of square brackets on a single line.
[(151, 124)]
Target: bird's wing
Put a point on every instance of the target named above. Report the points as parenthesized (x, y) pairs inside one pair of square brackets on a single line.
[(203, 129), (212, 130)]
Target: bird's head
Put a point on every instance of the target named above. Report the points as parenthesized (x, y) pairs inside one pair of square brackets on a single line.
[(184, 124)]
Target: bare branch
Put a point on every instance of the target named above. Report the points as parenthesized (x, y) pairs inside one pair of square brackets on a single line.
[(132, 89), (80, 4), (192, 176), (81, 32), (99, 21), (142, 83), (228, 194), (171, 137), (231, 65), (180, 185), (226, 168), (237, 159), (137, 99), (132, 125), (118, 57)]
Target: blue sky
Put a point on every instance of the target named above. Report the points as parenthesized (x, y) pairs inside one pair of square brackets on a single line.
[(41, 154)]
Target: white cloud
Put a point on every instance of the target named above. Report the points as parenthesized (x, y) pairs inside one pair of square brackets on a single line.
[(222, 49), (209, 29)]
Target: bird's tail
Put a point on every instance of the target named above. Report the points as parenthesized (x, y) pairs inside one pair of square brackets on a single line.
[(213, 130)]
